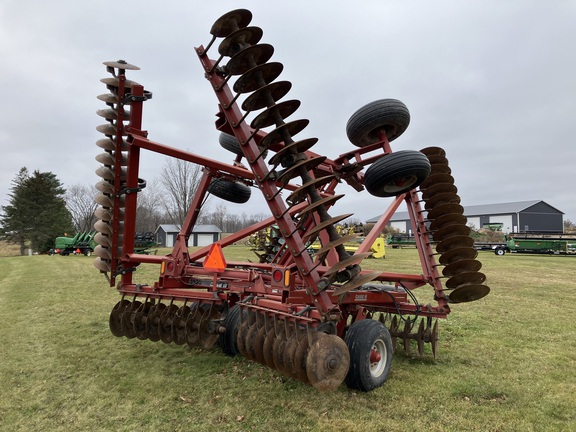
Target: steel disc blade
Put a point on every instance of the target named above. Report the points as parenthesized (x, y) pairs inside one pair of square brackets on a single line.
[(350, 261), (259, 345), (153, 322), (461, 266), (128, 319), (451, 231), (291, 149), (275, 114), (278, 352), (140, 318), (437, 188), (440, 168), (103, 240), (111, 145), (231, 21), (323, 225), (454, 242), (295, 170), (241, 337), (289, 351), (267, 348), (436, 178), (442, 198), (458, 254), (356, 282), (327, 362), (111, 130), (103, 253), (258, 77), (121, 64), (434, 338), (112, 114), (249, 341), (431, 151), (105, 158), (277, 135), (238, 39), (115, 320), (249, 57), (468, 293), (109, 98), (104, 200), (443, 209), (270, 93), (447, 219), (300, 193), (468, 278), (104, 214), (165, 326), (300, 357), (105, 187), (115, 82), (208, 338), (192, 324), (103, 266), (437, 160), (179, 325), (103, 227)]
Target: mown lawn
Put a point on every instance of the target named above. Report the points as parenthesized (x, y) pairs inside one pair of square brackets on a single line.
[(505, 363)]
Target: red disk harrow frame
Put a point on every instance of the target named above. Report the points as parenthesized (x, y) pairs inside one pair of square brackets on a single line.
[(319, 318)]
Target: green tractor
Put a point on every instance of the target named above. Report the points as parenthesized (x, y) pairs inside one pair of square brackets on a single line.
[(82, 243)]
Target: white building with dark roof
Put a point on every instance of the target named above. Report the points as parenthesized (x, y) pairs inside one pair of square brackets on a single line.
[(202, 235), (520, 216)]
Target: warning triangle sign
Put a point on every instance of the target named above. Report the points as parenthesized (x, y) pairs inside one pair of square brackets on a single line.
[(215, 259)]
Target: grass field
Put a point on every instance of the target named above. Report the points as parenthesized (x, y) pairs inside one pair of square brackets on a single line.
[(506, 362)]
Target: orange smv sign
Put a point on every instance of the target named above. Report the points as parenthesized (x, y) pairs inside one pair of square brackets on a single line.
[(215, 259)]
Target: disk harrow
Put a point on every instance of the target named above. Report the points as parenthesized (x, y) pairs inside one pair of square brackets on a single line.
[(320, 319)]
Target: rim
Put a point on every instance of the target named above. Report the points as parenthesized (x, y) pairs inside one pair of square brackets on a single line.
[(378, 358), (401, 184)]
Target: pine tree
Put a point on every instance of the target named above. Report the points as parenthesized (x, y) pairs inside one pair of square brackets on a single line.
[(36, 212)]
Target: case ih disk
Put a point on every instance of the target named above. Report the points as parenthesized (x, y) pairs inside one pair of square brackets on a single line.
[(320, 319)]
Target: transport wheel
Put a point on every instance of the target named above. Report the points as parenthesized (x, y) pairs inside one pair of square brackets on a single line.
[(231, 191), (389, 115), (228, 339), (230, 143), (370, 347), (396, 173)]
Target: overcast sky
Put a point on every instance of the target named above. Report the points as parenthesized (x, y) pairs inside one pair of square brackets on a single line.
[(492, 82)]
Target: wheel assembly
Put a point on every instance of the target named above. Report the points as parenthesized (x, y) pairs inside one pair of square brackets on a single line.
[(307, 309)]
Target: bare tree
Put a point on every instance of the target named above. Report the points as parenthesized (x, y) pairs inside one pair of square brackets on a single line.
[(81, 205), (180, 180), (149, 211)]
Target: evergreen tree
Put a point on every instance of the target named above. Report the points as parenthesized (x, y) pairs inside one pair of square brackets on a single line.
[(36, 213)]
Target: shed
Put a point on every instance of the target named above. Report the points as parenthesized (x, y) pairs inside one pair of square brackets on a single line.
[(518, 217), (202, 235)]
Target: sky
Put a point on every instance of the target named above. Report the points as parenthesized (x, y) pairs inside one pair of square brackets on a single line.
[(493, 82)]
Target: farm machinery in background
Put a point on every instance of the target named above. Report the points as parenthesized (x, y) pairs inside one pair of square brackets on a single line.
[(84, 243), (319, 318)]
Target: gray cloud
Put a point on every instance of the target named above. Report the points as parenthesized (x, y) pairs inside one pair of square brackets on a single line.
[(492, 82)]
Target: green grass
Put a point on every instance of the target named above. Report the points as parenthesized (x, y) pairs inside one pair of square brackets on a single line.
[(506, 362)]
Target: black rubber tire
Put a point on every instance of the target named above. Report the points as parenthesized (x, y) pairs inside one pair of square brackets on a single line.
[(500, 251), (362, 338), (229, 190), (388, 114), (396, 173), (228, 339), (230, 143)]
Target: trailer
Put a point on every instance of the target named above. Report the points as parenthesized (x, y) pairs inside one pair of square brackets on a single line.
[(82, 243), (320, 319), (535, 243)]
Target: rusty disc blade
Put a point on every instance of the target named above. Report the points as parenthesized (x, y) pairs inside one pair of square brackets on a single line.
[(267, 348), (231, 21), (458, 254), (327, 362), (249, 341), (257, 77), (350, 261), (299, 194), (420, 337), (297, 169), (238, 39), (356, 282), (140, 320), (300, 356), (179, 325), (115, 320), (437, 160), (444, 209), (248, 58), (461, 266), (192, 325), (454, 242), (278, 351), (121, 64), (289, 358), (165, 326), (442, 198), (447, 219), (153, 322), (208, 338), (440, 168), (468, 293), (434, 338), (259, 345), (128, 319), (468, 278), (326, 202), (266, 95), (293, 148), (275, 114), (429, 192), (278, 135), (436, 178), (431, 151), (323, 225), (451, 231)]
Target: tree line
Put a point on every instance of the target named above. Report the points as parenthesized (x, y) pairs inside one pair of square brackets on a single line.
[(40, 209)]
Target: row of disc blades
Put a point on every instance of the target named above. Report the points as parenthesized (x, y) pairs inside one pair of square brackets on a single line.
[(464, 281), (113, 158), (248, 60), (169, 323)]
